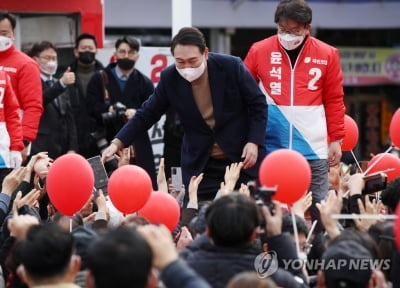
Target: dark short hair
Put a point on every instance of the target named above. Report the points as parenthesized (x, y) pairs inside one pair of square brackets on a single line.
[(85, 36), (391, 195), (10, 17), (46, 251), (232, 219), (189, 36), (120, 258), (39, 47), (287, 224), (131, 41), (296, 10)]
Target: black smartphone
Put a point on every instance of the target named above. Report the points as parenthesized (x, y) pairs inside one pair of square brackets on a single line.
[(100, 174), (374, 183)]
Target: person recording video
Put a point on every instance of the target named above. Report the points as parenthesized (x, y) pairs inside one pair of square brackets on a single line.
[(114, 94)]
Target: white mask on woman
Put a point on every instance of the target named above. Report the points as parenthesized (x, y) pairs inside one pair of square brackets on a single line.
[(191, 74)]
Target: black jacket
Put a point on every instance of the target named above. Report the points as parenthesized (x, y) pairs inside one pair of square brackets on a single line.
[(138, 88), (218, 265), (84, 123), (57, 129), (239, 111)]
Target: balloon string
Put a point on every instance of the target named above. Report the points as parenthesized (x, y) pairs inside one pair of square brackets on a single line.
[(296, 235), (357, 163), (314, 224), (377, 160), (70, 224)]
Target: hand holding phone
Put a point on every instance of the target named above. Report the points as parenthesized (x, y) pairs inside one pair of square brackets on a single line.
[(100, 174), (374, 183)]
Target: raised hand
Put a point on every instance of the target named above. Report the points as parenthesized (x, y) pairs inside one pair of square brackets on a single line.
[(300, 206), (370, 208), (12, 180), (194, 186), (232, 173), (185, 239), (160, 240), (68, 77), (161, 179), (30, 200), (332, 205)]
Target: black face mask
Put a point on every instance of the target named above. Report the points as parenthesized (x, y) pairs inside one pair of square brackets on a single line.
[(86, 57), (125, 63)]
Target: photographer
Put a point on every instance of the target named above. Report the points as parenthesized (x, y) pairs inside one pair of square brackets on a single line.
[(114, 94)]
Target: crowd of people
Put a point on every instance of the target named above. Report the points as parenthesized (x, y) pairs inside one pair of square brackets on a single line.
[(286, 94)]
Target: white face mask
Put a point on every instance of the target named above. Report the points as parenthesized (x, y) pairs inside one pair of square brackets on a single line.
[(191, 74), (49, 67), (5, 43), (289, 41)]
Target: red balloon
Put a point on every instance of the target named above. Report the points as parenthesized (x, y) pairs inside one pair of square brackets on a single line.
[(70, 183), (350, 138), (287, 170), (396, 228), (129, 188), (385, 161), (162, 208), (394, 128)]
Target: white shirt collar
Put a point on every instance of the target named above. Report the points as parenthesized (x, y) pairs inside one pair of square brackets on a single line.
[(120, 74)]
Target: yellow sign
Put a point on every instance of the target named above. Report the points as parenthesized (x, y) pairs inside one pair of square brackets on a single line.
[(370, 66)]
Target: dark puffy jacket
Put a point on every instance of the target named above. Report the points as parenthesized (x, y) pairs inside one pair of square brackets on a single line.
[(218, 265)]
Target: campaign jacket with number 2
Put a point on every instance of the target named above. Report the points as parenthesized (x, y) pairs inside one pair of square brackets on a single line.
[(10, 124), (305, 103)]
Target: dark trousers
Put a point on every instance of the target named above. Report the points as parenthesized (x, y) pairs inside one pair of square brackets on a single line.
[(213, 176), (319, 187)]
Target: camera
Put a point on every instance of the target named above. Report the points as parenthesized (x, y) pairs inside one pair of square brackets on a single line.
[(119, 112), (262, 195)]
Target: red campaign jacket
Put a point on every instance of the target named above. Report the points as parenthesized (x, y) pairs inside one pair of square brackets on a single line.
[(305, 103), (10, 124), (27, 86)]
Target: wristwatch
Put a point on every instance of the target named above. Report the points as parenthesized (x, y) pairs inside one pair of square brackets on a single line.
[(26, 143)]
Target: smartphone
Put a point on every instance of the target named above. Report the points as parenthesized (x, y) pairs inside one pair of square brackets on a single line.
[(100, 174), (176, 177), (374, 183)]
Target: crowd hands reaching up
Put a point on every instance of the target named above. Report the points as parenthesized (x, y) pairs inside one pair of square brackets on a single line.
[(232, 230)]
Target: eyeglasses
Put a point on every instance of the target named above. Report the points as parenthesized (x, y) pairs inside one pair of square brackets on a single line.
[(123, 52)]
